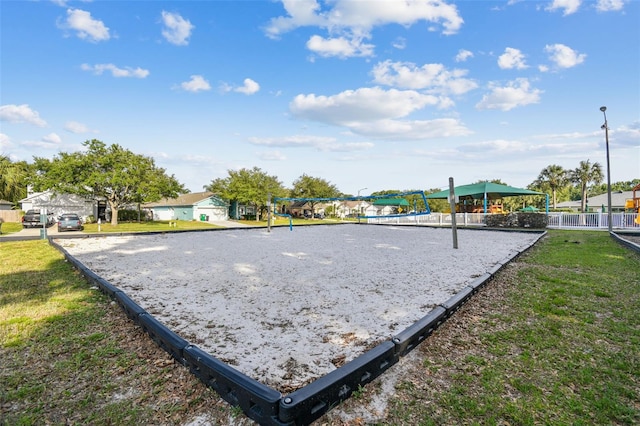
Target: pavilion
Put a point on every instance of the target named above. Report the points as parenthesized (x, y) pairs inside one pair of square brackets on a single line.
[(487, 191)]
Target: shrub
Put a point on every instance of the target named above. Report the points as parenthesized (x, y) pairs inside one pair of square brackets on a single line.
[(532, 220), (516, 220), (128, 215)]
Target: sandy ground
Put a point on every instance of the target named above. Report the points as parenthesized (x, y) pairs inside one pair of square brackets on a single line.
[(287, 307)]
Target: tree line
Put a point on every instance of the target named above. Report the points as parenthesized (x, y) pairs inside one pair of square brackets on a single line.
[(124, 178)]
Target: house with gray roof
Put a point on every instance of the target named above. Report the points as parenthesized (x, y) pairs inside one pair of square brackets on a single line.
[(202, 206), (598, 203)]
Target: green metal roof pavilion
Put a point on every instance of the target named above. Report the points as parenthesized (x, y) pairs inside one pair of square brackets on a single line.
[(487, 191)]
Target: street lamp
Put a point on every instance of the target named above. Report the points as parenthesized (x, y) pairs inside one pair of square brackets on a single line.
[(360, 203), (606, 138)]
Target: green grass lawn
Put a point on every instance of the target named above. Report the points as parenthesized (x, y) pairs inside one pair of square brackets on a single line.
[(554, 339), (10, 227)]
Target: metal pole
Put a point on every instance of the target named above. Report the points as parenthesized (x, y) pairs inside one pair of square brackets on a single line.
[(606, 138), (269, 212), (359, 203), (452, 205)]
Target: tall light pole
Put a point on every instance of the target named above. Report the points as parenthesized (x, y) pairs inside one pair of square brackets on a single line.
[(606, 138), (360, 203)]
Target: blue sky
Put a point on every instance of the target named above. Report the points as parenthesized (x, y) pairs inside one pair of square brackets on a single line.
[(363, 93)]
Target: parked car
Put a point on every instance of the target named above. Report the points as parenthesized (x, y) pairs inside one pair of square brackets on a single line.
[(31, 219), (70, 222)]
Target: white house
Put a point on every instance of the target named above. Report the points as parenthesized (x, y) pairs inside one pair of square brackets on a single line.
[(60, 203)]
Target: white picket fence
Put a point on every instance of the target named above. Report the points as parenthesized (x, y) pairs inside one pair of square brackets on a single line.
[(559, 220)]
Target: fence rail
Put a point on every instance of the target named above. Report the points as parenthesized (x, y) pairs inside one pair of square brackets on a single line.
[(560, 220)]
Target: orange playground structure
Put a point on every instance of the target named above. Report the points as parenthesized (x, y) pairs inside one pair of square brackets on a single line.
[(633, 204)]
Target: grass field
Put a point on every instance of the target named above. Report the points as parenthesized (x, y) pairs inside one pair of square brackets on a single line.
[(554, 339)]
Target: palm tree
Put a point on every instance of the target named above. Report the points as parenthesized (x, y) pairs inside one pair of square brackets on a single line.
[(553, 177), (12, 176), (583, 176)]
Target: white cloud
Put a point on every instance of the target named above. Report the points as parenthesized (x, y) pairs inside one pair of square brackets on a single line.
[(366, 104), (399, 43), (512, 58), (249, 88), (626, 136), (5, 141), (609, 5), (272, 156), (516, 93), (21, 114), (98, 69), (341, 47), (434, 78), (375, 113), (349, 22), (569, 6), (563, 56), (317, 142), (463, 55), (85, 26), (177, 30), (52, 138), (411, 130), (196, 84), (75, 127)]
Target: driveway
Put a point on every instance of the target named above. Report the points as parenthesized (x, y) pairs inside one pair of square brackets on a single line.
[(32, 234)]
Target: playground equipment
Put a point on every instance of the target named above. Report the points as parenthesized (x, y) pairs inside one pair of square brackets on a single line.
[(468, 204), (633, 204)]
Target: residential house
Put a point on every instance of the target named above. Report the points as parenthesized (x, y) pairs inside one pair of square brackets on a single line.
[(239, 211), (351, 208), (202, 206), (598, 203), (5, 205), (63, 203)]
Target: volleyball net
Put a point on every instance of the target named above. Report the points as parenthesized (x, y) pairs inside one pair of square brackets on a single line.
[(402, 204)]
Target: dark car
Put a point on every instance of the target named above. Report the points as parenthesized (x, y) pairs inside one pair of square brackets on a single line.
[(70, 222)]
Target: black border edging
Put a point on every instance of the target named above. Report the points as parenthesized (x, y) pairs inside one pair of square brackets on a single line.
[(259, 402), (412, 336), (301, 407), (312, 401), (173, 344), (620, 238)]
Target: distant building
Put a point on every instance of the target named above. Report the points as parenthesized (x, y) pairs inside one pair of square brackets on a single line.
[(202, 206), (598, 203), (63, 203), (5, 205)]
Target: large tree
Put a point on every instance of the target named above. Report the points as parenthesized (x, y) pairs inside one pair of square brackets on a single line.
[(554, 178), (117, 174), (414, 200), (583, 175), (248, 186), (313, 187), (13, 186)]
